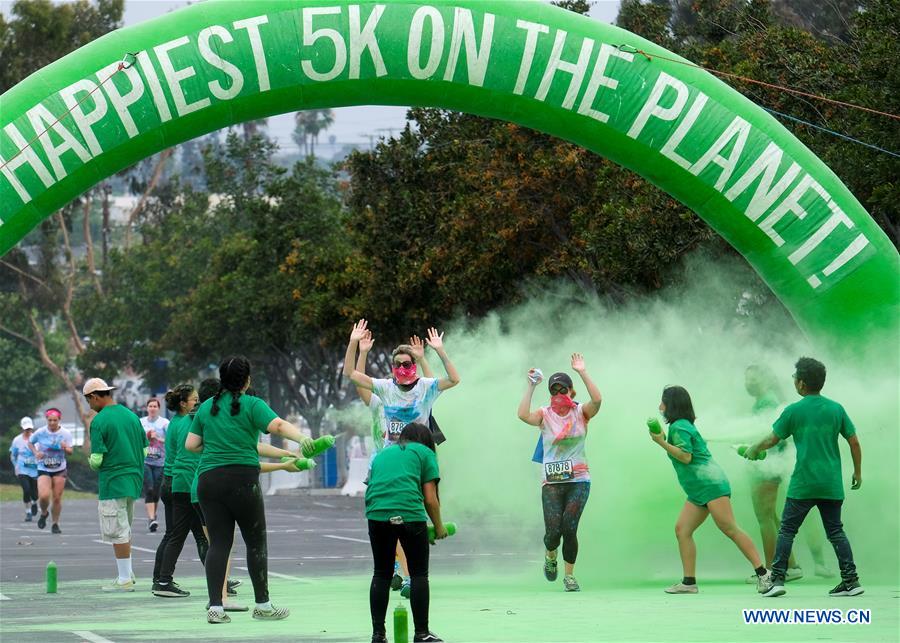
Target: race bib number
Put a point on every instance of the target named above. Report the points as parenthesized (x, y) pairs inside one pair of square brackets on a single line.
[(154, 453), (558, 471), (29, 461), (395, 428), (52, 461)]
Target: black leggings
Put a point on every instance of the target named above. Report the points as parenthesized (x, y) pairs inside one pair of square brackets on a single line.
[(563, 503), (165, 496), (413, 537), (230, 495), (29, 489), (184, 519)]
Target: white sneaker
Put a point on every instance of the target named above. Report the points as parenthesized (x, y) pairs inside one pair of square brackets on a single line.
[(681, 588), (274, 614), (793, 573), (117, 586), (215, 616), (764, 582), (774, 590)]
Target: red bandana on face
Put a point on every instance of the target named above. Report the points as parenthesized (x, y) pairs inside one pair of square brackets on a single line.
[(405, 376), (561, 403)]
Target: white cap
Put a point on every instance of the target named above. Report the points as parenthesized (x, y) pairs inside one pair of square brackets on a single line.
[(96, 384), (26, 423)]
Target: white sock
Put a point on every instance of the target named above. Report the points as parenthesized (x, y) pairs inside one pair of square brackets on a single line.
[(265, 607), (124, 565)]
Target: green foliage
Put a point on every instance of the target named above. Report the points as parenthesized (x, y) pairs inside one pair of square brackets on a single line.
[(42, 31), (26, 383)]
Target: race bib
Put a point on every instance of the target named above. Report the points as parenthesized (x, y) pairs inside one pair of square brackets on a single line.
[(154, 453), (395, 428), (29, 461), (558, 471), (52, 461)]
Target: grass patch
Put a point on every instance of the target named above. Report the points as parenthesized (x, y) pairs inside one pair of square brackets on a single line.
[(13, 492)]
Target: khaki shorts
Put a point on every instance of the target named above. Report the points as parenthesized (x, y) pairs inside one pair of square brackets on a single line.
[(116, 516)]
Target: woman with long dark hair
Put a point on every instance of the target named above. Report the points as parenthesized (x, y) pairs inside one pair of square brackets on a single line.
[(707, 488), (225, 431)]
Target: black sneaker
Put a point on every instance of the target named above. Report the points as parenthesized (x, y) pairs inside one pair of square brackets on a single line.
[(42, 521), (55, 529), (170, 590), (153, 526), (28, 517), (551, 568), (234, 582), (230, 589), (379, 637), (427, 637), (847, 588), (33, 509)]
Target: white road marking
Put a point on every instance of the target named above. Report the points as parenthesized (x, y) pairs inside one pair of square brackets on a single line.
[(90, 636), (355, 540), (278, 575), (4, 598)]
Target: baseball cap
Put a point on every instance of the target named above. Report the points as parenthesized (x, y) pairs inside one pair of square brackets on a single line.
[(96, 384), (559, 378), (26, 423)]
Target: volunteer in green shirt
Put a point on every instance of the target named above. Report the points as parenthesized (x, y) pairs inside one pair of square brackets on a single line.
[(402, 490), (815, 422), (181, 400), (118, 448), (706, 486), (225, 431)]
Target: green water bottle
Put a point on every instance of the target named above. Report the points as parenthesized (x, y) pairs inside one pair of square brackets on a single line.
[(653, 425), (51, 577), (742, 449), (300, 464), (318, 446), (449, 526), (401, 624)]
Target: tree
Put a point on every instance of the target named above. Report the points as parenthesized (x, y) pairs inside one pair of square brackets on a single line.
[(309, 124)]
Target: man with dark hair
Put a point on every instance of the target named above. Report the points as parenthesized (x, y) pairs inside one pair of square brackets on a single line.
[(815, 423), (118, 448)]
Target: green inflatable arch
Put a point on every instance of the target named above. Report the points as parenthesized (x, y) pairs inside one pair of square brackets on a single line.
[(222, 62)]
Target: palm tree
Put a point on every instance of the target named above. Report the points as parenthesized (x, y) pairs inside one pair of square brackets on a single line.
[(311, 123)]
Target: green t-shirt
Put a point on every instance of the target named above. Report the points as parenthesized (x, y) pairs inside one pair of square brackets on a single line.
[(117, 433), (231, 439), (395, 483), (815, 422), (702, 478), (186, 462), (170, 449)]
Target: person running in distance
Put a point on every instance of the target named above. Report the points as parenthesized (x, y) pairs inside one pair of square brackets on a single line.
[(402, 494), (25, 466), (815, 422), (707, 488), (51, 444), (767, 475), (566, 477), (225, 431), (155, 427), (118, 448)]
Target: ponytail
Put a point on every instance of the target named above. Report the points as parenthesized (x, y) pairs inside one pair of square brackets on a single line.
[(234, 371)]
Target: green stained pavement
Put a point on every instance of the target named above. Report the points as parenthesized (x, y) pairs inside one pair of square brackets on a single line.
[(464, 607)]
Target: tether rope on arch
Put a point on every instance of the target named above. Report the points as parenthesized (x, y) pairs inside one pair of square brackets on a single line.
[(127, 61)]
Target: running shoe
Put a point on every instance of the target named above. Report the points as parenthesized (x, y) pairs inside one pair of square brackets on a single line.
[(169, 590), (42, 521), (231, 585), (153, 526), (33, 509), (774, 590), (379, 637), (28, 516), (405, 588), (234, 582), (55, 529), (764, 582), (793, 573), (215, 616), (427, 637), (681, 588), (116, 586), (571, 584), (551, 569), (823, 571), (847, 588), (274, 614)]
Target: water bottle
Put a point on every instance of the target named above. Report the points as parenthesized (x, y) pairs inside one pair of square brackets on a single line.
[(319, 446), (51, 577), (401, 624), (653, 425), (449, 526)]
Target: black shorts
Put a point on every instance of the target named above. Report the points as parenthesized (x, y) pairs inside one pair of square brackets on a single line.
[(52, 474)]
